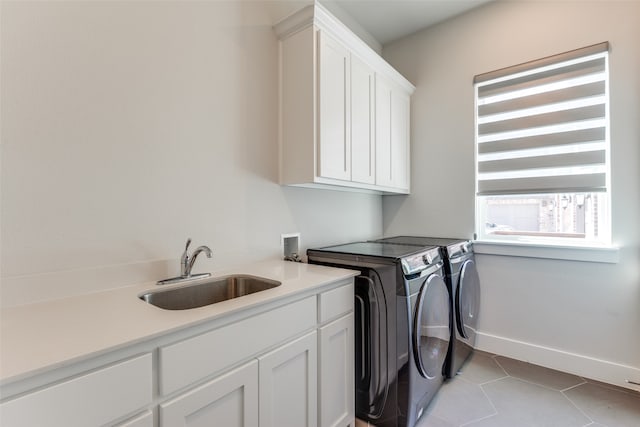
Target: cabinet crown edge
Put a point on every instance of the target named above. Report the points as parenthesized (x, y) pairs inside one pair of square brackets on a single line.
[(316, 14)]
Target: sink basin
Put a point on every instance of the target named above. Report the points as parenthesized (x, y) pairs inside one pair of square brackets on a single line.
[(207, 292)]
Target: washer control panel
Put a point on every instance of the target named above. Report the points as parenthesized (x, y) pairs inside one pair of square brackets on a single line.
[(419, 262)]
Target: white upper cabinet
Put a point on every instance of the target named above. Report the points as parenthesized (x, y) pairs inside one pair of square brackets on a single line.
[(329, 95)]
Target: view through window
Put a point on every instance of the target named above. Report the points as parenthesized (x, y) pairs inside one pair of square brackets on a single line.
[(573, 215)]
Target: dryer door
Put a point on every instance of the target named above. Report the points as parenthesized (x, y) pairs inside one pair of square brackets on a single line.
[(431, 327), (467, 301)]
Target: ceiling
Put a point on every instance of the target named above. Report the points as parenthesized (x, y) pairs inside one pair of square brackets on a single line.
[(389, 20)]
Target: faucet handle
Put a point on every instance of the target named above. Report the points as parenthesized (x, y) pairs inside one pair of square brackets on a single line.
[(184, 259)]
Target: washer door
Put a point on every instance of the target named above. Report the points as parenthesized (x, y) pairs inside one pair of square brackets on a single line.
[(468, 301), (431, 327)]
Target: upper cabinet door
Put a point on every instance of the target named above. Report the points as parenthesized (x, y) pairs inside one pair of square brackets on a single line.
[(362, 122), (400, 139), (334, 139), (384, 153), (392, 135)]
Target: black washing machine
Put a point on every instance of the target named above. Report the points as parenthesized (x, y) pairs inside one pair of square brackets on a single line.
[(402, 327), (464, 286)]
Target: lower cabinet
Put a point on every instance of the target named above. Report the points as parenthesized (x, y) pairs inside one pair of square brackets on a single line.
[(143, 420), (291, 366), (336, 376), (277, 389), (230, 400), (96, 398), (288, 384)]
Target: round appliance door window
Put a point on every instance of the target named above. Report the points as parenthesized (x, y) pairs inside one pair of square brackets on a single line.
[(431, 329), (468, 301)]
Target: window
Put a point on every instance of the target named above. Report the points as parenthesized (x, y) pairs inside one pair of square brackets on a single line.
[(542, 150)]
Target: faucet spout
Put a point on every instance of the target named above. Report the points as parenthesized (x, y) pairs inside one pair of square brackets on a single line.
[(191, 260)]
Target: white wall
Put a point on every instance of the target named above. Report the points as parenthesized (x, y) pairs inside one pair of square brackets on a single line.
[(337, 11), (575, 316), (128, 127)]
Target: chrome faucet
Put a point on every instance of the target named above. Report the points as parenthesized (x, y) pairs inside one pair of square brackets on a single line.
[(186, 261), (186, 265)]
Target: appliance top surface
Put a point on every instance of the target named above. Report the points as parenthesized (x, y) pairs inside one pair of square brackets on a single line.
[(376, 249), (422, 241)]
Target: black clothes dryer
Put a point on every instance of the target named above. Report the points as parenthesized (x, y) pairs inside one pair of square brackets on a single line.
[(402, 327), (464, 287)]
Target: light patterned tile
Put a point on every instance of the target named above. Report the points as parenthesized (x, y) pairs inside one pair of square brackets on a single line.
[(606, 405), (460, 402), (523, 404), (613, 387), (537, 374), (430, 420), (481, 368), (498, 420)]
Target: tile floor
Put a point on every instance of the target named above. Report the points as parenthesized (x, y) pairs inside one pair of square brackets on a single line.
[(495, 391)]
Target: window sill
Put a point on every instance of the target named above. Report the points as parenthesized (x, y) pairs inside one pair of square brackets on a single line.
[(604, 254)]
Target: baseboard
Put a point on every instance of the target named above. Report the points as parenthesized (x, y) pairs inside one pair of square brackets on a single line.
[(583, 366)]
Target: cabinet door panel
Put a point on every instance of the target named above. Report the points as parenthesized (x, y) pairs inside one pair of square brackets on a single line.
[(230, 400), (188, 361), (362, 130), (288, 384), (383, 133), (337, 405), (400, 139), (392, 135), (334, 150)]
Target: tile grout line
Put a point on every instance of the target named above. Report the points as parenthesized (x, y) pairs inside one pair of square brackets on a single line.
[(612, 387), (574, 386), (542, 385), (499, 365), (481, 385), (495, 410), (576, 406), (468, 423), (493, 380)]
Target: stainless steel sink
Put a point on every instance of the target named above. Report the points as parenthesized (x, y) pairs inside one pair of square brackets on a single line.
[(206, 292)]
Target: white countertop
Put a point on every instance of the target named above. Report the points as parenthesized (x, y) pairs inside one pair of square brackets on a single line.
[(40, 337)]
